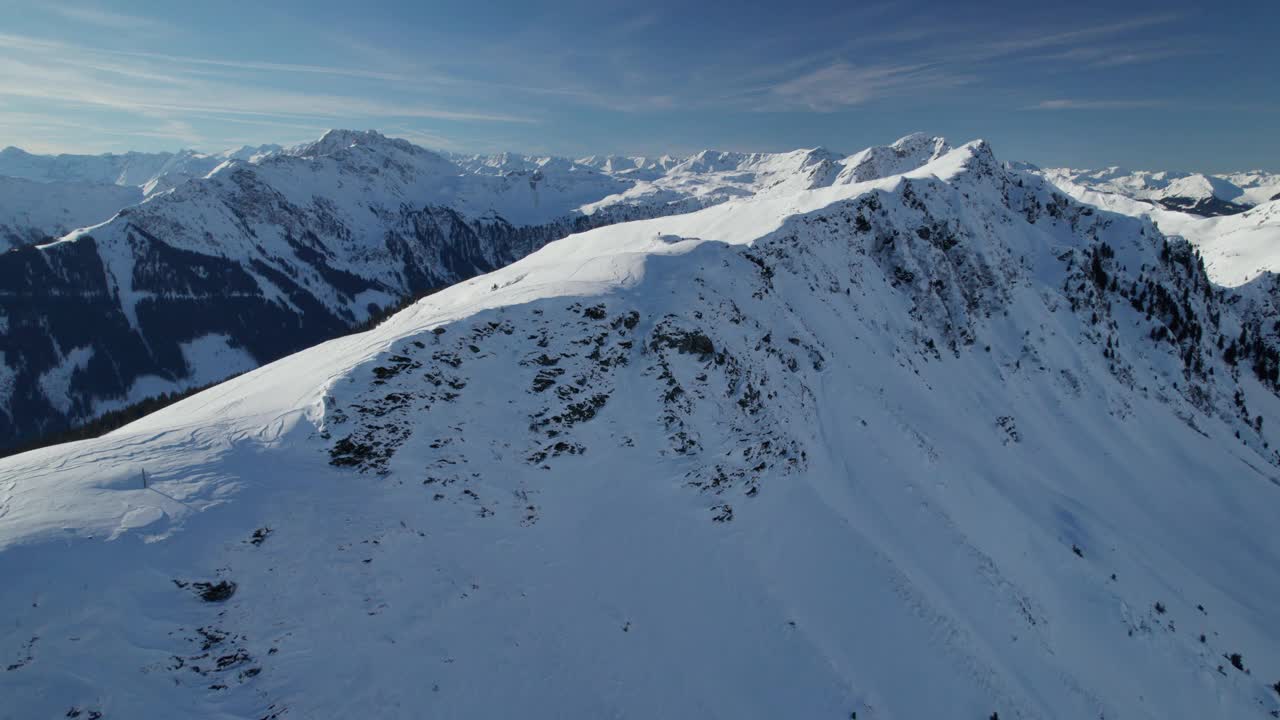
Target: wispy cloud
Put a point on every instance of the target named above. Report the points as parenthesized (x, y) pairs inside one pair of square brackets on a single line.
[(53, 132), (922, 59), (424, 138), (520, 84), (1096, 104), (841, 85), (108, 19), (53, 71), (281, 67), (31, 44), (1115, 55), (1037, 41), (1116, 59)]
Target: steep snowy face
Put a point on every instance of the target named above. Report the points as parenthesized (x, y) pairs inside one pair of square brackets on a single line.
[(32, 212), (48, 196), (342, 142), (1194, 193), (939, 444), (909, 152), (1238, 248), (223, 273), (268, 254)]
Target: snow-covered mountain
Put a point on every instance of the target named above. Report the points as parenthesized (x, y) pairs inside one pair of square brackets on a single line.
[(258, 259), (1238, 247), (638, 167), (946, 443), (1194, 193), (272, 253), (150, 172), (32, 212), (272, 250), (47, 196), (712, 177)]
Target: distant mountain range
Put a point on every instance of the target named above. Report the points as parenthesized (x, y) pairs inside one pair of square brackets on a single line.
[(150, 172), (1194, 193), (43, 197)]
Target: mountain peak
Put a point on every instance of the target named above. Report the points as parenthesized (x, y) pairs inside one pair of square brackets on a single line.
[(710, 160), (918, 141), (339, 140)]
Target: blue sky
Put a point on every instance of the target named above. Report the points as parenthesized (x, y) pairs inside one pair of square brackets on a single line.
[(1147, 85)]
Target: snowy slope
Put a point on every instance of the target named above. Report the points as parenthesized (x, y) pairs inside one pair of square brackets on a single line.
[(1238, 247), (711, 177), (33, 212), (1243, 246), (258, 259), (642, 187), (269, 254), (48, 196), (1195, 193), (638, 167), (945, 444), (153, 172)]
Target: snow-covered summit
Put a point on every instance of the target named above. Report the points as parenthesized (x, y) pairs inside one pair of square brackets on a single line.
[(638, 166), (907, 152), (710, 177), (338, 141)]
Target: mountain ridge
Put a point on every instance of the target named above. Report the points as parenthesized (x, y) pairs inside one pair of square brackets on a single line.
[(266, 255)]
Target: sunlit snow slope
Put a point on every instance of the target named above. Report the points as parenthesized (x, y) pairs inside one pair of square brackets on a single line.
[(1238, 246), (150, 173), (942, 444), (1195, 193), (32, 212), (271, 253)]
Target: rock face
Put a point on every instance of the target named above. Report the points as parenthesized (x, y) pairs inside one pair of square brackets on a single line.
[(945, 443)]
